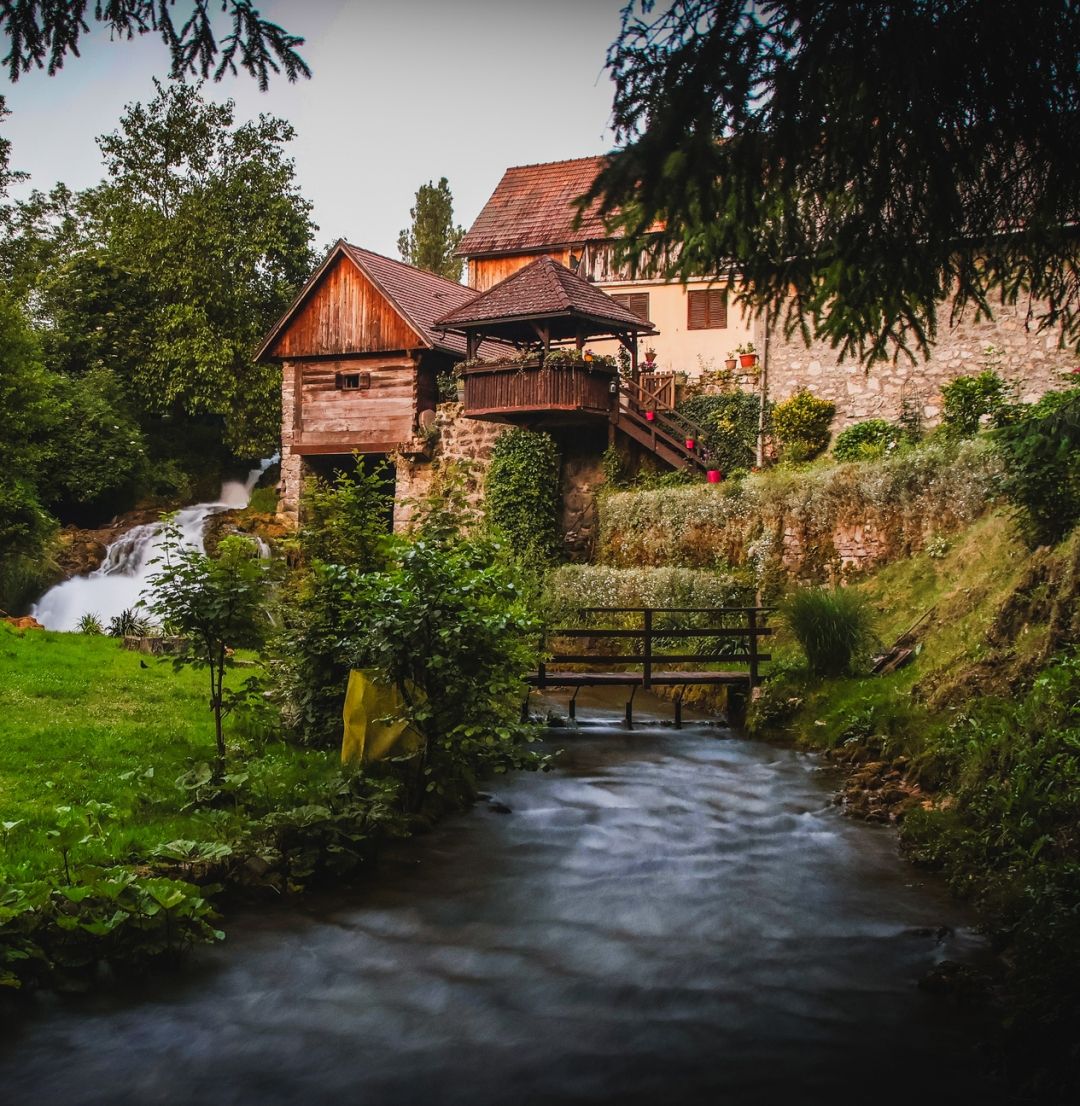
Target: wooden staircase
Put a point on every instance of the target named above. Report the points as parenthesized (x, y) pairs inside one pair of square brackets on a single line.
[(665, 434)]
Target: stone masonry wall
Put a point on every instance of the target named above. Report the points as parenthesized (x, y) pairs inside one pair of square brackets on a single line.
[(1031, 360), (465, 442), (292, 466)]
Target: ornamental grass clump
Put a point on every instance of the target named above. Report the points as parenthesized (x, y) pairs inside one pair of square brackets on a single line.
[(833, 626)]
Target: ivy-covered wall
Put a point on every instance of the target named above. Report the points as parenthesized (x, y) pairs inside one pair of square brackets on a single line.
[(813, 525)]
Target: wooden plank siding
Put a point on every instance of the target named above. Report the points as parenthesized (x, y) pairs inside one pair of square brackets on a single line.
[(484, 272), (375, 419), (345, 313)]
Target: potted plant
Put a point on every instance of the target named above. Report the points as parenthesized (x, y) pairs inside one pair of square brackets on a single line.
[(747, 355), (732, 360), (650, 361)]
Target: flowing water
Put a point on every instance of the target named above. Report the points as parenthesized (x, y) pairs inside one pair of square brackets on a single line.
[(120, 580), (667, 918)]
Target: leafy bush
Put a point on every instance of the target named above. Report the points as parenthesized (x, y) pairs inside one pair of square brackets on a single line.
[(104, 914), (129, 623), (865, 441), (833, 626), (800, 424), (90, 623), (966, 400), (312, 654), (449, 622), (1041, 453), (344, 533), (345, 520), (730, 420), (570, 587), (521, 495)]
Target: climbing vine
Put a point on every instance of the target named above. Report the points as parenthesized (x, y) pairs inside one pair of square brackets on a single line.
[(522, 492)]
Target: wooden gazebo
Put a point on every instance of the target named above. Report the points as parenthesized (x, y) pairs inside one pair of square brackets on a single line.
[(548, 314)]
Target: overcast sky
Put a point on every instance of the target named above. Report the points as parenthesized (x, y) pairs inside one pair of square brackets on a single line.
[(402, 91)]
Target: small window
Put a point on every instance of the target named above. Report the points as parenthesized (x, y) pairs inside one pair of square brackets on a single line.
[(350, 382), (636, 302), (706, 310)]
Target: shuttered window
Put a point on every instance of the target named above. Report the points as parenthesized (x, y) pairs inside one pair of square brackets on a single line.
[(637, 302), (706, 310)]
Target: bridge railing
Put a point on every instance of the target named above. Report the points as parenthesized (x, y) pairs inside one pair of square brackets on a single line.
[(660, 629)]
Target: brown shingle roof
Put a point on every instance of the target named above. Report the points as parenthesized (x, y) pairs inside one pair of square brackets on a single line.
[(418, 296), (543, 288), (533, 208)]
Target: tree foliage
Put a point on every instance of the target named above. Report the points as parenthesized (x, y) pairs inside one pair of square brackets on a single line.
[(1042, 466), (42, 33), (430, 241), (216, 605), (29, 420), (169, 272), (855, 163)]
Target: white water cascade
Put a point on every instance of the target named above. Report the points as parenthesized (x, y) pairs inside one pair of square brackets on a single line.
[(120, 580)]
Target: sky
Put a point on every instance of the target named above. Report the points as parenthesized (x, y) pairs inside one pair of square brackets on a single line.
[(402, 92)]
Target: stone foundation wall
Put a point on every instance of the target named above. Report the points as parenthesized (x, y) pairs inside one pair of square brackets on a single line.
[(292, 466), (463, 442), (1032, 361)]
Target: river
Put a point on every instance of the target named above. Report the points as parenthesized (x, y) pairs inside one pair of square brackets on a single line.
[(669, 917)]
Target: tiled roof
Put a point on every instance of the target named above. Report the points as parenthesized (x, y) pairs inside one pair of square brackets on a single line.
[(533, 208), (544, 287), (419, 296)]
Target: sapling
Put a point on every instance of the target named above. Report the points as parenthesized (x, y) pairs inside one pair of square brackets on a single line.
[(215, 605)]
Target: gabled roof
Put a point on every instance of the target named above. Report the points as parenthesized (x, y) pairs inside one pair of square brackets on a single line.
[(533, 208), (543, 288), (417, 294), (419, 297)]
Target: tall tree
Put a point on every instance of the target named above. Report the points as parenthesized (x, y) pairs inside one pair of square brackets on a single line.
[(429, 243), (6, 173), (43, 33), (870, 158), (169, 272)]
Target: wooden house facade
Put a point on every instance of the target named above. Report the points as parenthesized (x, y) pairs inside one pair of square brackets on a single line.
[(360, 360)]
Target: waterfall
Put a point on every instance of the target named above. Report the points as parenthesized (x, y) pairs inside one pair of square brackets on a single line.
[(120, 580)]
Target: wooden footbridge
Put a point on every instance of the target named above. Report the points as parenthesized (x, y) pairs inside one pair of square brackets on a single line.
[(727, 637)]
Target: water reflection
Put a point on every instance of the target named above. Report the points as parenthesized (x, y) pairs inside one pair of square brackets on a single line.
[(671, 917)]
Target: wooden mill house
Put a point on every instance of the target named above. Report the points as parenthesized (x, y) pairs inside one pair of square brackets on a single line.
[(362, 347)]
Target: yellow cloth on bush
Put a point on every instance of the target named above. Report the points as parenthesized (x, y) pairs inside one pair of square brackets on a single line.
[(373, 728)]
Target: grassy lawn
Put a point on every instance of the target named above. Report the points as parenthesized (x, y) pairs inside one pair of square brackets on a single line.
[(82, 721)]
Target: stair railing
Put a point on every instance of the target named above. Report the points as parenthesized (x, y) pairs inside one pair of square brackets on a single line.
[(675, 427)]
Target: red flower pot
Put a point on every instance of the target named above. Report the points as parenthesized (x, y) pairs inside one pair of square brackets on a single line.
[(747, 360), (689, 443), (714, 476), (650, 415)]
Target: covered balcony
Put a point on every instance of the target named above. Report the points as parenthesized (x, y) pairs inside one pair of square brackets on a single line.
[(548, 314)]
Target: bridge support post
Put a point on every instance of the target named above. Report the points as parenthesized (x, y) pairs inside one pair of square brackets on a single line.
[(630, 709), (571, 708), (678, 711)]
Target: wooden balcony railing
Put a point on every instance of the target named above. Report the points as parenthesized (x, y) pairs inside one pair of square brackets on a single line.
[(532, 387)]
